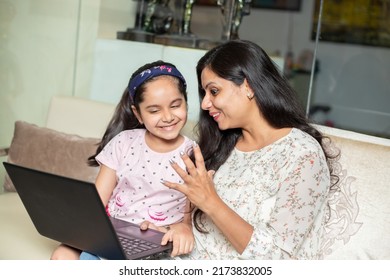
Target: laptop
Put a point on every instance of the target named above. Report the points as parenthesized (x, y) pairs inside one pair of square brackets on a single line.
[(70, 211)]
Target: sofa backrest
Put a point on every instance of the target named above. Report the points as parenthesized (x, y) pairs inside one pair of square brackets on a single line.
[(81, 116), (85, 117)]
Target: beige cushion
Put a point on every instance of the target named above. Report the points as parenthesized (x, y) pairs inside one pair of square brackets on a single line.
[(51, 151)]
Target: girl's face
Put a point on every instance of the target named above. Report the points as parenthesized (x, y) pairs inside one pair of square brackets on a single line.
[(163, 110), (226, 102)]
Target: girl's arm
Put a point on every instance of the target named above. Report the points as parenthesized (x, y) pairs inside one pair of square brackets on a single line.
[(105, 183)]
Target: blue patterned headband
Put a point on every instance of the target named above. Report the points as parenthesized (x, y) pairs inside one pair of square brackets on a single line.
[(151, 73)]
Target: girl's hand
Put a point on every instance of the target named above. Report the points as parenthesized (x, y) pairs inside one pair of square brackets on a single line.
[(180, 234), (147, 225), (198, 183)]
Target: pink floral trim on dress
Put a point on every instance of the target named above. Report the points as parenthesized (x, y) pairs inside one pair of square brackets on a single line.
[(108, 211)]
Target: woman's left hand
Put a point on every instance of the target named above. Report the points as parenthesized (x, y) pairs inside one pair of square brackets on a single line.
[(198, 183)]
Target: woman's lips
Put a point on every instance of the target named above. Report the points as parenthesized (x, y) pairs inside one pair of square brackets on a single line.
[(215, 115)]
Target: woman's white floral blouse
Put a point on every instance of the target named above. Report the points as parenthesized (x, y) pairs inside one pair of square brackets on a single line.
[(281, 190)]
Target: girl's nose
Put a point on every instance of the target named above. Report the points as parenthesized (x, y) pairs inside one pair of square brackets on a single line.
[(168, 117)]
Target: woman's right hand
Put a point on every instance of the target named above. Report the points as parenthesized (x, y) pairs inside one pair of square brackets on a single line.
[(198, 183), (199, 188)]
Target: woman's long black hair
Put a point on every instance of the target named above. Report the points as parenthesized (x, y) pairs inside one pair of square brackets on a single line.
[(124, 118), (236, 61)]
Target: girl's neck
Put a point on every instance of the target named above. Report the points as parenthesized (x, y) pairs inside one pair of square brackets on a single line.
[(161, 145)]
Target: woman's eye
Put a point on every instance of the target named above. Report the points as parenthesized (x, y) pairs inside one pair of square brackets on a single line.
[(213, 91)]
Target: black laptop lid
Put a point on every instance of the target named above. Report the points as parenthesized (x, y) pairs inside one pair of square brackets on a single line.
[(67, 210)]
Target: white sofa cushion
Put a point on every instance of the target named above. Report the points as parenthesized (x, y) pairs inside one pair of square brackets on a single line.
[(360, 225)]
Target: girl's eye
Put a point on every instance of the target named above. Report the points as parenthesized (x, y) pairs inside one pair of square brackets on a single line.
[(176, 105)]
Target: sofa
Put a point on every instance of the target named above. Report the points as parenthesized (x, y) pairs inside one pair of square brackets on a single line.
[(359, 227)]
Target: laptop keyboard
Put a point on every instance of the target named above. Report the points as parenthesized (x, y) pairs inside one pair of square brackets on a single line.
[(134, 246)]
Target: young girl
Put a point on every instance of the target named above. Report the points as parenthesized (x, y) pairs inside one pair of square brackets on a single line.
[(141, 138)]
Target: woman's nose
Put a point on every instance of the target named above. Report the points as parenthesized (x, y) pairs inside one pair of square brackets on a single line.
[(206, 103)]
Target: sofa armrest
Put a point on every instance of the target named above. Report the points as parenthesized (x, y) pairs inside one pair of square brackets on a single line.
[(19, 240)]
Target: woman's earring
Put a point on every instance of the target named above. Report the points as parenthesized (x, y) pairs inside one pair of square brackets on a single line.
[(248, 94)]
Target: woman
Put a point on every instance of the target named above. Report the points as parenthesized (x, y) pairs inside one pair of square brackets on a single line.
[(268, 196)]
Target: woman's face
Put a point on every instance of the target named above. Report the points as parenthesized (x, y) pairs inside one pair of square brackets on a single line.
[(226, 102), (163, 110)]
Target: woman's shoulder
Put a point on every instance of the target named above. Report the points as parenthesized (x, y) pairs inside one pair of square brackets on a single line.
[(304, 140)]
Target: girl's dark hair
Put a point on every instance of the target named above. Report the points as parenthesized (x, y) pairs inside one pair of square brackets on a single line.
[(124, 118), (236, 61)]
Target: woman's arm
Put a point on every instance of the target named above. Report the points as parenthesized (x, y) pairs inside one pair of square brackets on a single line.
[(233, 227)]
